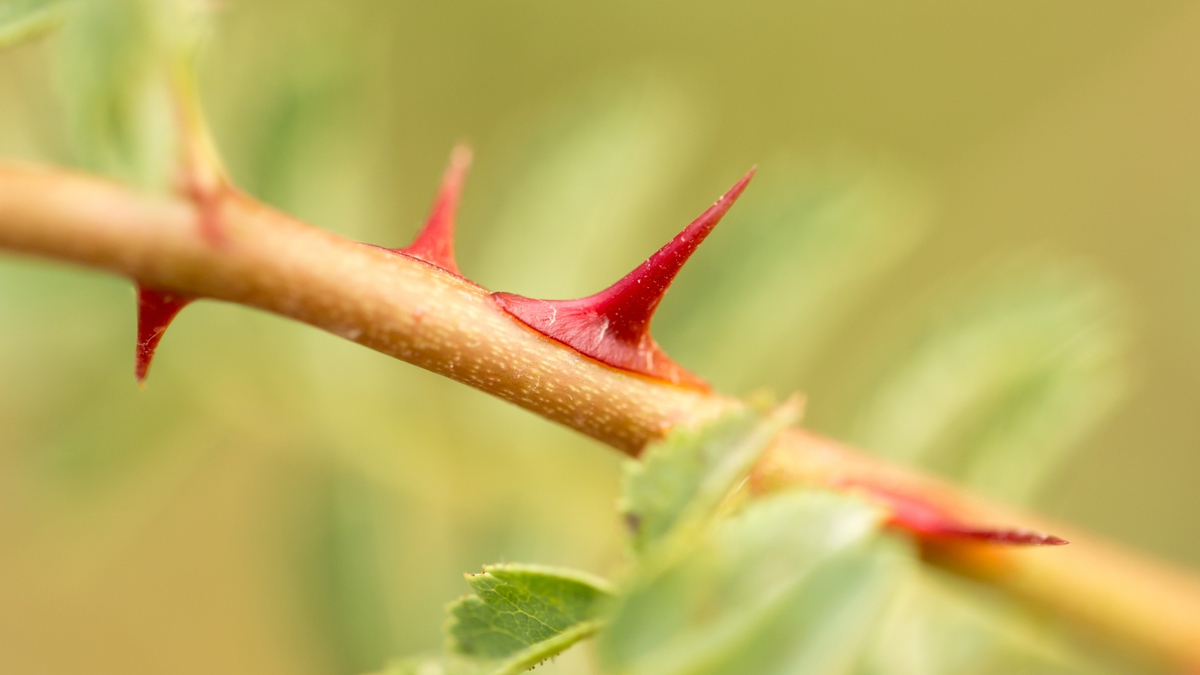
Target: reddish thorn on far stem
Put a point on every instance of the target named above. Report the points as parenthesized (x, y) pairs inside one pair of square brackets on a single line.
[(156, 310), (613, 326), (929, 522), (435, 243)]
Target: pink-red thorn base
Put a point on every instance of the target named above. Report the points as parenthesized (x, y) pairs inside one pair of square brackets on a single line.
[(613, 326), (929, 522), (435, 243), (156, 310)]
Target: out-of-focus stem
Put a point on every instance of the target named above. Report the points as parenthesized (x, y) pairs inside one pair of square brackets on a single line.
[(1147, 604), (420, 314)]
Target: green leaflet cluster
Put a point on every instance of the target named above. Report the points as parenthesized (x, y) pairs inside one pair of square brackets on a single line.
[(789, 585), (783, 584), (685, 478)]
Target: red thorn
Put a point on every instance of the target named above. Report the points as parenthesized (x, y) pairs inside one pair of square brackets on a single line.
[(613, 326), (156, 310), (435, 243), (930, 522)]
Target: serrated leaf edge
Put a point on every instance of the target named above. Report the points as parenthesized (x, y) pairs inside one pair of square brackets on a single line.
[(536, 653), (586, 578), (533, 654)]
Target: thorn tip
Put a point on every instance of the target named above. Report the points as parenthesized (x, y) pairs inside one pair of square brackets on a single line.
[(156, 309), (929, 522), (435, 243)]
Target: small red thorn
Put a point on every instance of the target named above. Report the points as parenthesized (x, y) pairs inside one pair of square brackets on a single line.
[(435, 243), (613, 326), (156, 310), (930, 522)]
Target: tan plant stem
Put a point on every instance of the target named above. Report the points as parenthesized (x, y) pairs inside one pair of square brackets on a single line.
[(390, 303), (420, 314)]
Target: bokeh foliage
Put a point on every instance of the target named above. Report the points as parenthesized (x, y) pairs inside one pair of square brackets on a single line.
[(312, 505)]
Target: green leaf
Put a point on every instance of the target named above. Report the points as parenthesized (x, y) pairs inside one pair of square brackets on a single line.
[(768, 585), (22, 20), (523, 614), (823, 626), (687, 475), (1004, 378)]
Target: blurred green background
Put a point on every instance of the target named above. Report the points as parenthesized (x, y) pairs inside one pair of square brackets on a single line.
[(974, 241)]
